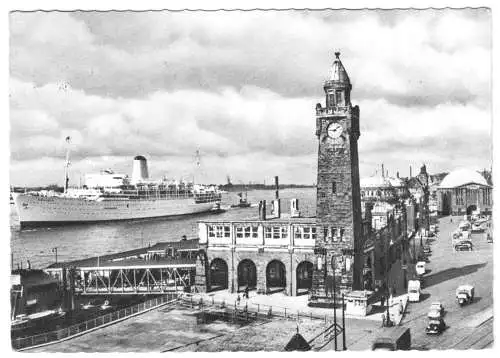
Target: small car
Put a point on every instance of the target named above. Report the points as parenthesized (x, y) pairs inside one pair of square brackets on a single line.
[(489, 238), (477, 228), (435, 326), (426, 249), (436, 307), (464, 245)]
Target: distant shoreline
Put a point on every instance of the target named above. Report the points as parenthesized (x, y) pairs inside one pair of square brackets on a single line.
[(226, 187)]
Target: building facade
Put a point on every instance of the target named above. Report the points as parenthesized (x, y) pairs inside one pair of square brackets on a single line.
[(463, 192), (268, 255)]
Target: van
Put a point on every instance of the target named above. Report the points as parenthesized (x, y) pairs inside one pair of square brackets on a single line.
[(413, 290), (393, 339), (420, 268)]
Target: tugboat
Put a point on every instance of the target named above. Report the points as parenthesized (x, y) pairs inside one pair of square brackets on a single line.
[(243, 202)]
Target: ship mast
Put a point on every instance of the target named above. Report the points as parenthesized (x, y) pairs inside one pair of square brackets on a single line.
[(197, 159), (66, 165)]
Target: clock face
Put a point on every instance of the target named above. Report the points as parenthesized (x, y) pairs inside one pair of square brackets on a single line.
[(334, 130)]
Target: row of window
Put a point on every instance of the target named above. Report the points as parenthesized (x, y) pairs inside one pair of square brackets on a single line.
[(270, 232), (463, 196)]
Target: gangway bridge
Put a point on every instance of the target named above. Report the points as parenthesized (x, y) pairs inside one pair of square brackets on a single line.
[(162, 268)]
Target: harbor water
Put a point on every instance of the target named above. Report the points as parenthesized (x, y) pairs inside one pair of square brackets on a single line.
[(87, 240)]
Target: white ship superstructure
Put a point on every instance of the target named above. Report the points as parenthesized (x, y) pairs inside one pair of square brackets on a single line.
[(109, 196)]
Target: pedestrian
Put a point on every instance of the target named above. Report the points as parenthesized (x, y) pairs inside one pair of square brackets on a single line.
[(382, 301), (238, 299), (246, 292), (383, 320)]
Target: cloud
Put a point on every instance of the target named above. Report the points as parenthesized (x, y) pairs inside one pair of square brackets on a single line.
[(242, 86), (134, 54)]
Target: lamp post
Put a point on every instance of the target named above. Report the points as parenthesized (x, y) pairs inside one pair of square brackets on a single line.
[(334, 265), (388, 319), (343, 324)]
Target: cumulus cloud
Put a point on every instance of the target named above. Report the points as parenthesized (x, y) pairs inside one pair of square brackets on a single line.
[(241, 86)]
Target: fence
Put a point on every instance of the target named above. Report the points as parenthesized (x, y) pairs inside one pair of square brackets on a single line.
[(259, 310), (80, 328)]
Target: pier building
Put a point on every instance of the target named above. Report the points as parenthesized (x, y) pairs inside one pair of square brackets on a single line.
[(270, 254), (343, 248)]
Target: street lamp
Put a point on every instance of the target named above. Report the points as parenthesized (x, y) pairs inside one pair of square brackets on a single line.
[(388, 319), (334, 266)]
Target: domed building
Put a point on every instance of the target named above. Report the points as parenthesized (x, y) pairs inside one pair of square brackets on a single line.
[(376, 188), (382, 187), (464, 191)]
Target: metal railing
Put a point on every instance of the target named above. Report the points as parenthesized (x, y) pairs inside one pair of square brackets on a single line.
[(77, 329), (258, 309)]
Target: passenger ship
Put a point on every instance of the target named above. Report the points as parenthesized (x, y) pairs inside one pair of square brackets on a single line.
[(109, 196)]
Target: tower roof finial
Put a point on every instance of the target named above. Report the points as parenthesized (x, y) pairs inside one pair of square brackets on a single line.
[(337, 71)]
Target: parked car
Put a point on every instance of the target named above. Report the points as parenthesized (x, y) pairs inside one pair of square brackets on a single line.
[(426, 249), (414, 290), (464, 245), (477, 228), (435, 326), (465, 294), (489, 238)]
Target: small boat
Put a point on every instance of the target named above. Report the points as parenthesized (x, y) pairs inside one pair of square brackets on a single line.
[(243, 202), (23, 321), (88, 305), (106, 305)]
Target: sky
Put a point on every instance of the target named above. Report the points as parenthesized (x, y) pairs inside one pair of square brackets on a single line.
[(241, 87)]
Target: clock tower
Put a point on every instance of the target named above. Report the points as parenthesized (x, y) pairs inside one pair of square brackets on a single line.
[(338, 250)]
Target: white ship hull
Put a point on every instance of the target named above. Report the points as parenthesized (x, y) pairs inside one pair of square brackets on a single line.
[(36, 210)]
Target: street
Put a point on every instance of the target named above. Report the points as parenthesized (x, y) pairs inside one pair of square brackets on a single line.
[(470, 326)]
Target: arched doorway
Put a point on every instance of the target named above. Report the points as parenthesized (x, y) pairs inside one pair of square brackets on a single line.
[(275, 276), (218, 275), (304, 277), (247, 275), (470, 209)]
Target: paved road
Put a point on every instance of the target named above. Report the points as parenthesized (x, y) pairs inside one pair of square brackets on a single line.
[(470, 326)]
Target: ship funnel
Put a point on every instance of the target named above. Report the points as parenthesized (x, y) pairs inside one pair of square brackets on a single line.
[(140, 170)]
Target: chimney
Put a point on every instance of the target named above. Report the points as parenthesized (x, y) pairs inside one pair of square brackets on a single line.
[(294, 208), (277, 201), (383, 170), (277, 208), (262, 210), (397, 174), (387, 173), (277, 186), (29, 265), (410, 171)]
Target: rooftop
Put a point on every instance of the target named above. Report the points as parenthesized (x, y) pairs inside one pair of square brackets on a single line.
[(133, 258), (338, 72), (462, 177), (284, 219)]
